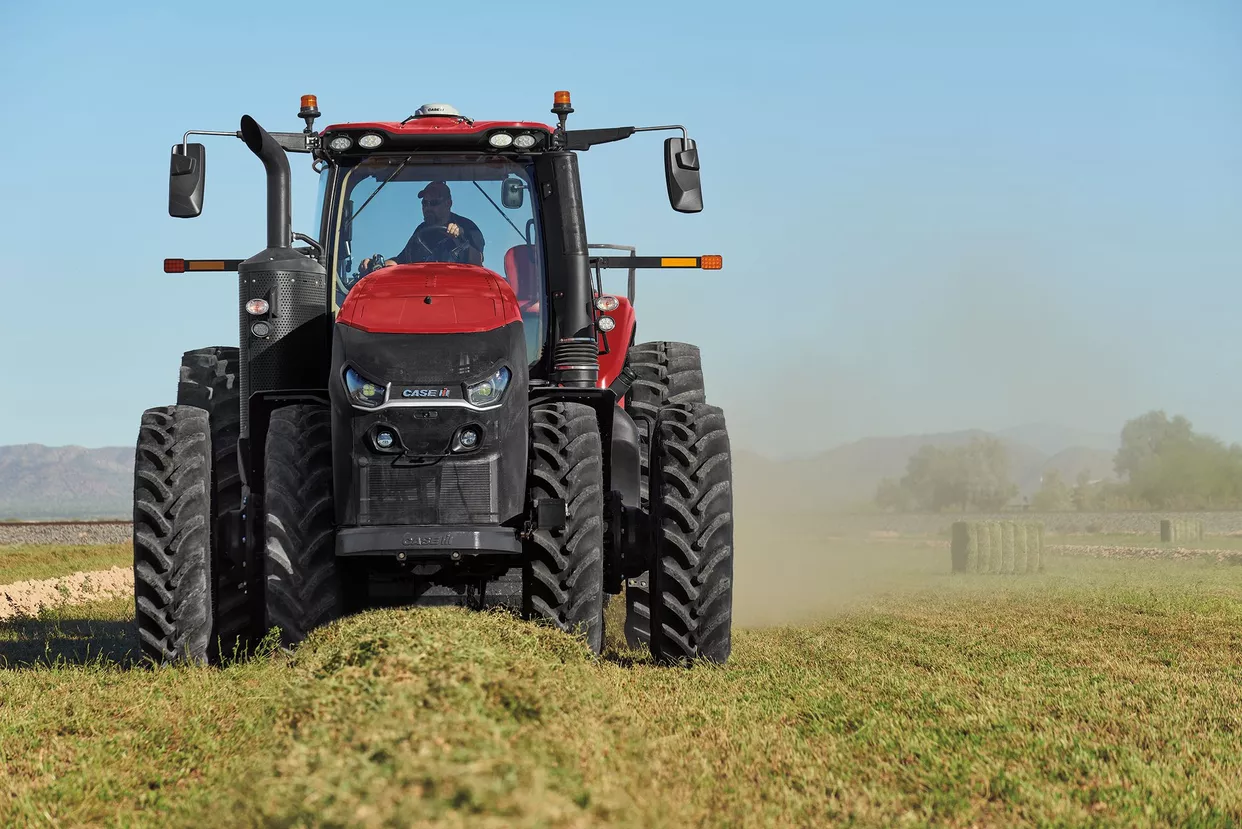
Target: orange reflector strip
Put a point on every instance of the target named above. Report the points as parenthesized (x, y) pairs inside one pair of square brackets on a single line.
[(183, 265), (678, 262), (712, 262)]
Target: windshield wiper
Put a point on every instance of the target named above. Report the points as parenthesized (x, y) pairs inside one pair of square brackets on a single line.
[(520, 234), (381, 187)]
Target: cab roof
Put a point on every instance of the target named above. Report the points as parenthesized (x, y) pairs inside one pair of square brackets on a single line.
[(436, 126)]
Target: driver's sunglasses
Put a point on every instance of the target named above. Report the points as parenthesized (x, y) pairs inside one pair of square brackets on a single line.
[(430, 202)]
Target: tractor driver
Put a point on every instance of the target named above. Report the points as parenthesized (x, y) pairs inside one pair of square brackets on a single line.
[(443, 236)]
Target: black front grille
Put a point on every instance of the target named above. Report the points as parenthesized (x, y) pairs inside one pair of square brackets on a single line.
[(449, 492)]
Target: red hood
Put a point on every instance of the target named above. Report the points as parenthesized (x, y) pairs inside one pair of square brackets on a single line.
[(430, 298)]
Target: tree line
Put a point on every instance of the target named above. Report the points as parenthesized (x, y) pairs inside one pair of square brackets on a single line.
[(1162, 463)]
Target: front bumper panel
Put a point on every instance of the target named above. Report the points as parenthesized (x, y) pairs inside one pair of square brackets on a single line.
[(415, 542)]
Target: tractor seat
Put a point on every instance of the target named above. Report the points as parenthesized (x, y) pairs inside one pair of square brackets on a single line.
[(523, 277)]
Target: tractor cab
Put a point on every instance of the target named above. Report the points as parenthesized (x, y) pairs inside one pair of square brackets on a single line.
[(404, 213)]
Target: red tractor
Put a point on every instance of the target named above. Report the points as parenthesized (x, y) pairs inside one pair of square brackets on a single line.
[(434, 402)]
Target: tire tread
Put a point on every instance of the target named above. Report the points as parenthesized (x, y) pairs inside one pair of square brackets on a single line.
[(692, 507)]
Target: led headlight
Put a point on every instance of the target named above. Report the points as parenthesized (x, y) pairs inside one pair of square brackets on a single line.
[(370, 141), (524, 141), (500, 139), (341, 142), (490, 390), (363, 392)]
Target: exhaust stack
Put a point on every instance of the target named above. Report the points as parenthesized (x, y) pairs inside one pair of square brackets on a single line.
[(279, 200)]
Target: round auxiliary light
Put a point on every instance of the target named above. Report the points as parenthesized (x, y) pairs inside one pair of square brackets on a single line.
[(384, 440), (607, 303), (255, 307), (606, 323), (469, 437), (370, 141), (341, 142), (524, 141), (500, 139), (261, 329)]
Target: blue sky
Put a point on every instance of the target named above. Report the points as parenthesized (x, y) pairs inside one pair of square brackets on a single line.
[(933, 216)]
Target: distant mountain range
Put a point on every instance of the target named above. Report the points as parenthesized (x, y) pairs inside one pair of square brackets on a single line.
[(41, 482), (46, 482)]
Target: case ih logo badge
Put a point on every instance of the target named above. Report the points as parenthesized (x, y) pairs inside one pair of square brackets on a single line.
[(424, 392), (425, 541)]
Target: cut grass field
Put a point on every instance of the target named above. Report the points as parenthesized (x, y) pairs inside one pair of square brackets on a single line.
[(22, 562), (1100, 692), (1210, 542)]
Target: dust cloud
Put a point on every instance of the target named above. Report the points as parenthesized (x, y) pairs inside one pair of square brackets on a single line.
[(990, 337), (798, 567)]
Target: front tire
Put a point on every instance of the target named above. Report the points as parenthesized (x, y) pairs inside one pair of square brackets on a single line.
[(304, 589), (692, 508), (172, 535), (564, 573)]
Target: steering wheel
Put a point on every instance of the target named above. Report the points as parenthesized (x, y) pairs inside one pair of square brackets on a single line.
[(440, 245)]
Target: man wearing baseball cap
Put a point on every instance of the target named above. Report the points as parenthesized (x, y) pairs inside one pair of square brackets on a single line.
[(438, 213)]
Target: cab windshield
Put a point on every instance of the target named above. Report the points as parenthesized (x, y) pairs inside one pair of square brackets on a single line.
[(469, 210)]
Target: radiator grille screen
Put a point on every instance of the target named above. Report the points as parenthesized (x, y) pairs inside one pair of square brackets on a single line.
[(450, 492)]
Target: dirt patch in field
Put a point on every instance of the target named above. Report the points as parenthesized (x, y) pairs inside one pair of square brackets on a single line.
[(28, 598)]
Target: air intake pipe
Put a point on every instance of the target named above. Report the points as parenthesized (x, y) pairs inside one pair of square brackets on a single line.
[(279, 201)]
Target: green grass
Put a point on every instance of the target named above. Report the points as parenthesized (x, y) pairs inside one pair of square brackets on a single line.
[(22, 562), (1097, 693)]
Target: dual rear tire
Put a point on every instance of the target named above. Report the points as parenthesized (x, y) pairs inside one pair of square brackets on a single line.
[(190, 571), (681, 608)]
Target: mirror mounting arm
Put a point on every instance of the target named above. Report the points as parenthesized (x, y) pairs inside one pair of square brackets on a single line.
[(185, 139), (685, 136)]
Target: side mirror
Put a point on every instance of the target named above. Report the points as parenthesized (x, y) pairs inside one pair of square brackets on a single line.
[(681, 172), (512, 193), (185, 180)]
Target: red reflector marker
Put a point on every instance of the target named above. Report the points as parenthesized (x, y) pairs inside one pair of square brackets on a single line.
[(174, 266), (713, 262)]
